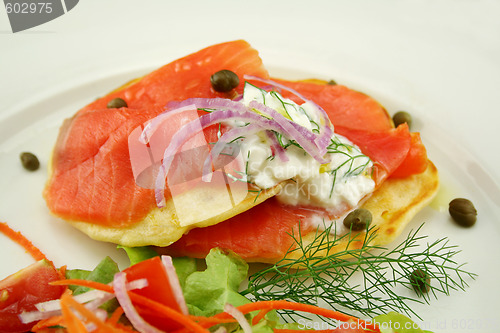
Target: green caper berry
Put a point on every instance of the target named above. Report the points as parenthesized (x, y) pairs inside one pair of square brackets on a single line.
[(30, 161), (117, 103), (401, 117), (420, 281), (224, 80), (359, 219), (332, 83), (463, 212)]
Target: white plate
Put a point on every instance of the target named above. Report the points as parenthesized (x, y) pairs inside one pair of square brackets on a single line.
[(437, 61)]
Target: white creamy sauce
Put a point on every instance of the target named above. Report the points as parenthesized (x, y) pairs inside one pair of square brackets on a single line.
[(337, 186)]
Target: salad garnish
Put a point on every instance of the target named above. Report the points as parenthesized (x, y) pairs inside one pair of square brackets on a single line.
[(292, 288), (319, 275)]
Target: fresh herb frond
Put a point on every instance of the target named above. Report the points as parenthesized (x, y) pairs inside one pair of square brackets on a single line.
[(209, 110), (350, 273)]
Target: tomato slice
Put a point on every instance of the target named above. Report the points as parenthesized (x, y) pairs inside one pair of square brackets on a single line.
[(158, 289), (20, 292)]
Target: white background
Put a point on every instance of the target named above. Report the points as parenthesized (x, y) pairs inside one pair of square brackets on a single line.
[(439, 60)]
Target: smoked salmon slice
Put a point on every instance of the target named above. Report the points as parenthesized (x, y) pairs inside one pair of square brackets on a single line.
[(92, 179), (263, 233)]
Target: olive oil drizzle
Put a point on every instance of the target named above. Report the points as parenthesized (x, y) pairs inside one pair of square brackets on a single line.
[(324, 276)]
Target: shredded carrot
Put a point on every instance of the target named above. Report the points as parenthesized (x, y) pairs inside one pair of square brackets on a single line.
[(19, 238), (189, 321), (287, 305), (159, 308), (62, 271), (84, 283), (260, 316), (71, 321), (334, 330), (46, 323), (116, 315), (89, 315)]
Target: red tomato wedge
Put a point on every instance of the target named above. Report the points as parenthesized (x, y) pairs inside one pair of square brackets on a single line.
[(158, 289), (22, 290)]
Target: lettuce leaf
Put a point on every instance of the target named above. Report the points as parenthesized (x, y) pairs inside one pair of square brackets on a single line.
[(138, 254), (395, 322), (104, 272), (206, 292), (184, 267)]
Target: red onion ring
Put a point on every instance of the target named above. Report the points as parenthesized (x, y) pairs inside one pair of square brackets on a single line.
[(239, 316), (326, 129), (121, 293), (173, 279)]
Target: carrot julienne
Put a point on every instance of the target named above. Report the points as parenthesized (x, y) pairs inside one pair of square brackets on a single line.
[(189, 322), (260, 316), (287, 330), (115, 316), (20, 239), (287, 305), (71, 321), (70, 302), (159, 308), (46, 323)]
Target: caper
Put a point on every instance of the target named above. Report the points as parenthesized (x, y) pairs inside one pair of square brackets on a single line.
[(117, 103), (224, 80), (463, 212), (401, 117), (30, 161), (420, 281), (332, 83), (359, 219)]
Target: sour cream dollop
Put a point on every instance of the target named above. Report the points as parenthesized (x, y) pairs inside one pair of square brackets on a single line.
[(336, 186)]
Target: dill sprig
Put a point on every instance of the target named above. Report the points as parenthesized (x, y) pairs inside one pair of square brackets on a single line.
[(348, 151), (366, 281)]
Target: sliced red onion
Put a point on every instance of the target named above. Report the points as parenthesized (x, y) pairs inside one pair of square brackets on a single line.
[(221, 329), (195, 126), (224, 141), (93, 299), (132, 285), (175, 285), (99, 313), (225, 109), (211, 103), (239, 316), (81, 298), (29, 317), (158, 120), (278, 149), (326, 130), (292, 130), (120, 288), (281, 86)]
